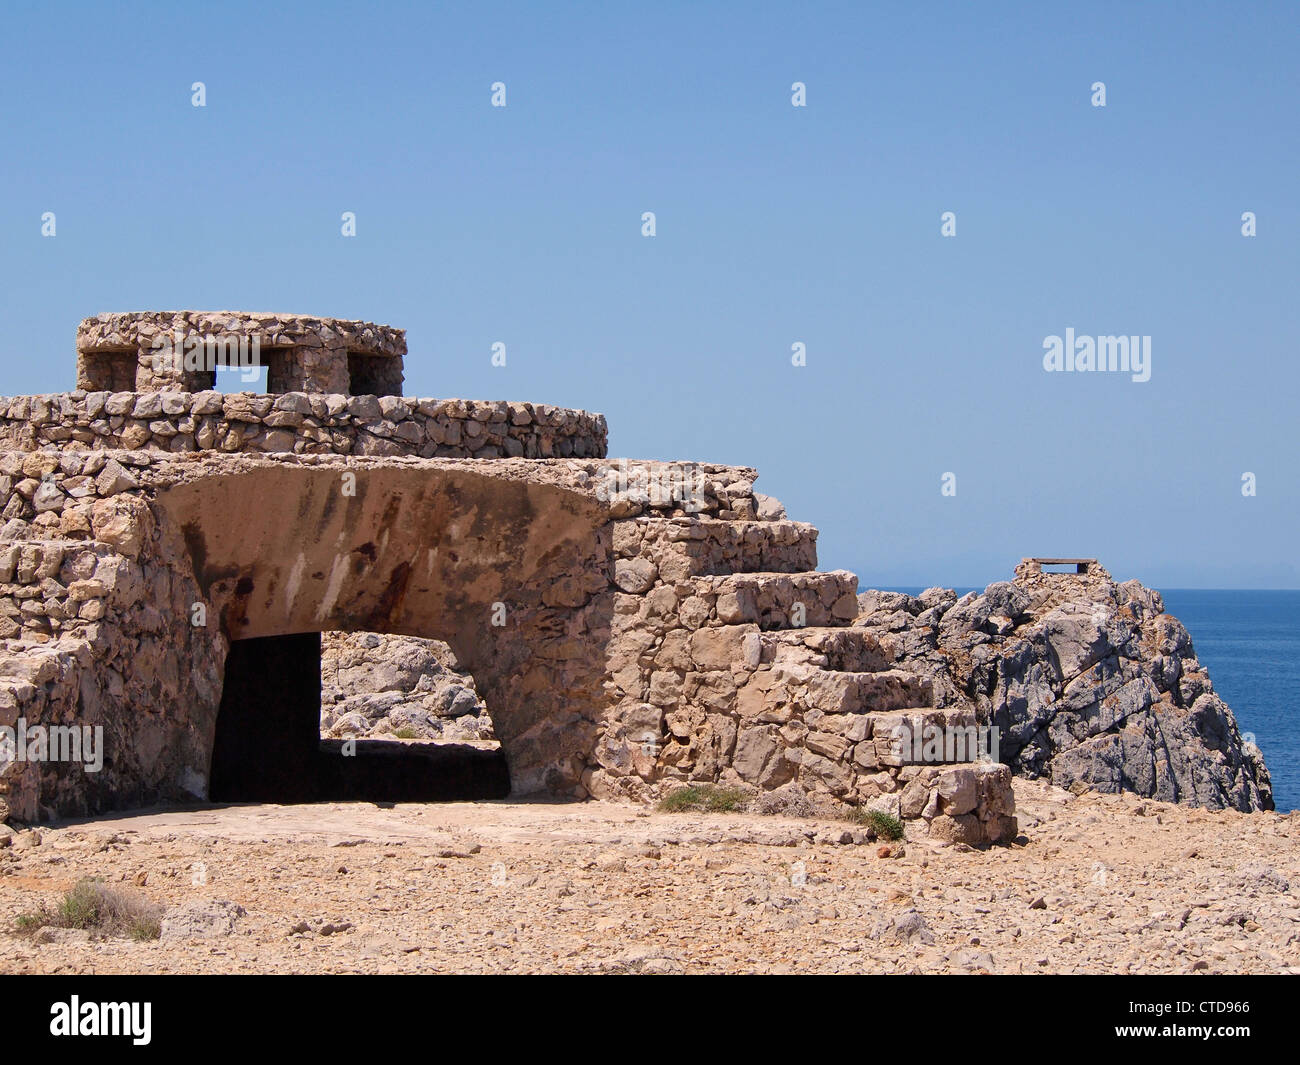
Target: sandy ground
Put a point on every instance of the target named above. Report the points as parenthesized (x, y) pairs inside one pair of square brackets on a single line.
[(1096, 884)]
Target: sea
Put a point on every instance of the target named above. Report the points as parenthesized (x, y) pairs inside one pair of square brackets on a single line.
[(1250, 643)]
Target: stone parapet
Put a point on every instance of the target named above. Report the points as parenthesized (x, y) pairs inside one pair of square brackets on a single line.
[(298, 422)]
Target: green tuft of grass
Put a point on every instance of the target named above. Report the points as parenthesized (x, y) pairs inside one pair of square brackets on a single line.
[(145, 928), (406, 733), (710, 798), (886, 826), (81, 907), (28, 923)]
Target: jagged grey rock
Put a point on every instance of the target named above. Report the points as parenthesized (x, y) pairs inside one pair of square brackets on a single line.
[(1089, 681)]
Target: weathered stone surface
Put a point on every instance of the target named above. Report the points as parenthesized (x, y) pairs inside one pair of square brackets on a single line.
[(209, 919), (178, 350)]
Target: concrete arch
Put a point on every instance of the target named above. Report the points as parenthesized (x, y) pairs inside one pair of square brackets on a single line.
[(511, 569)]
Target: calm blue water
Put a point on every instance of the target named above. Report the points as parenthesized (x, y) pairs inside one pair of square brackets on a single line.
[(1250, 643)]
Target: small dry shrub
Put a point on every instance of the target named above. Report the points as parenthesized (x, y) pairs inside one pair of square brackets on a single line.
[(94, 906)]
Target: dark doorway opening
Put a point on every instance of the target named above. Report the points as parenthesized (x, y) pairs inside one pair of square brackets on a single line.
[(108, 371), (268, 746), (280, 373), (373, 375)]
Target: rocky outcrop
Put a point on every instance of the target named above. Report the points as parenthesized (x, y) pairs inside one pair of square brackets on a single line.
[(383, 686), (1088, 682)]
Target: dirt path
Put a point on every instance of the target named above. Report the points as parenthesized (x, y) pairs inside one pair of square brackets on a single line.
[(1103, 884)]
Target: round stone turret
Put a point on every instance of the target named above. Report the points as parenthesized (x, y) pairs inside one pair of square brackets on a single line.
[(179, 351)]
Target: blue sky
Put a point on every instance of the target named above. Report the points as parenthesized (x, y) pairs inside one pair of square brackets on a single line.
[(775, 225)]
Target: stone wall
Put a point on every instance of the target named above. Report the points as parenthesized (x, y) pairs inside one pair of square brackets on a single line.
[(134, 667), (730, 662), (51, 495), (54, 586), (179, 422)]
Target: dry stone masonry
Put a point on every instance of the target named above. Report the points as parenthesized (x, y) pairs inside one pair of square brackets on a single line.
[(333, 424), (631, 627)]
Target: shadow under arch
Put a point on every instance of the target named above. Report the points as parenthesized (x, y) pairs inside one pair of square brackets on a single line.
[(267, 745)]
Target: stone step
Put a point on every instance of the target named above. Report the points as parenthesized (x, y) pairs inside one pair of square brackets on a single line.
[(697, 547), (774, 692), (780, 600), (895, 738), (847, 649), (843, 692), (930, 736)]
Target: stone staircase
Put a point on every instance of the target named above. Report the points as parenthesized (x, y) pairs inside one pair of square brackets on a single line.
[(737, 663)]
